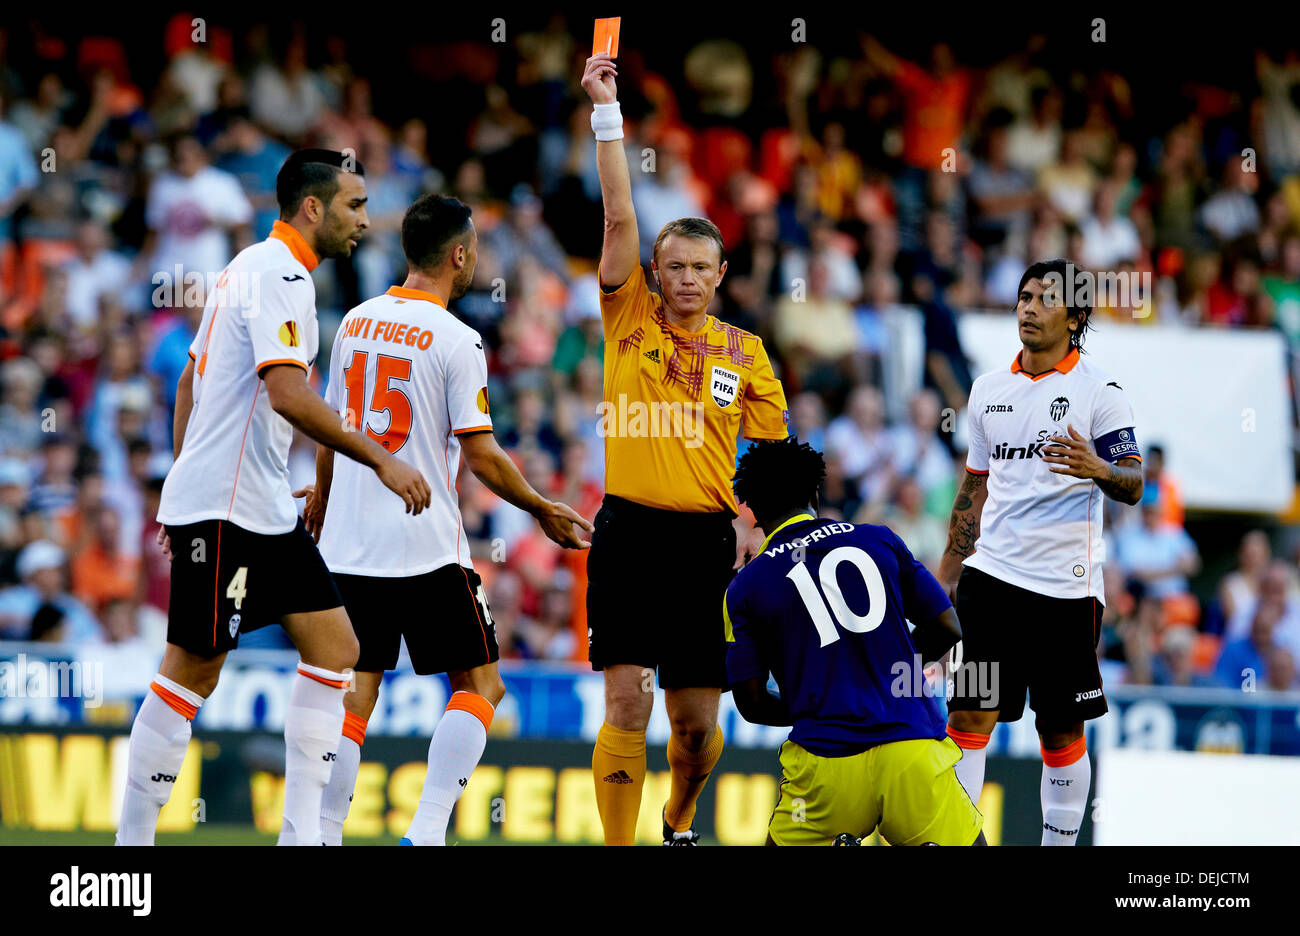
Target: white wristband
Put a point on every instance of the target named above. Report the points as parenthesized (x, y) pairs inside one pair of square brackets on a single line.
[(607, 122)]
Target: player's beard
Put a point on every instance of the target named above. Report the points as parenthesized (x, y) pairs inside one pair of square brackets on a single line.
[(333, 237), (460, 285)]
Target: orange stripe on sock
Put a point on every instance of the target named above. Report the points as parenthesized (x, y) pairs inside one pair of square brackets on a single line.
[(182, 708), (969, 740), (354, 727), (336, 683), (1064, 757), (473, 703)]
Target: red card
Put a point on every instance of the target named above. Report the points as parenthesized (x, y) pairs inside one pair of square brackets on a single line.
[(606, 38)]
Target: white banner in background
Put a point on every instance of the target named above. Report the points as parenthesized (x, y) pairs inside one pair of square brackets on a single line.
[(1216, 399), (1179, 798)]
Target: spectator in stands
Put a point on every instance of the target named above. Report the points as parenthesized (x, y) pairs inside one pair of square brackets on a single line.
[(808, 419), (1002, 194), (840, 495), (1139, 633), (94, 273), (101, 572), (1108, 238), (1175, 664), (1159, 555), (18, 175), (20, 423), (1280, 670), (935, 100), (155, 568), (1069, 182), (862, 442), (1244, 661), (1168, 493), (1231, 211), (255, 160), (1240, 587), (1237, 297), (583, 339), (925, 534), (1276, 592), (41, 603), (816, 333), (843, 278), (531, 430), (524, 233), (1282, 284), (14, 481), (920, 452), (287, 100), (198, 218), (671, 191), (1034, 143), (507, 614), (549, 636)]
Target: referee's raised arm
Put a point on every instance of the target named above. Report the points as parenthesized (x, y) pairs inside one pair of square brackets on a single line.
[(620, 252)]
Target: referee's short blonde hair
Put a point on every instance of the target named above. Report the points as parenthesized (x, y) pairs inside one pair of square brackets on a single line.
[(691, 227)]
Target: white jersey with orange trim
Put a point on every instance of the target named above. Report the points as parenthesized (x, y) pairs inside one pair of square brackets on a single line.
[(415, 378), (1039, 530), (234, 459)]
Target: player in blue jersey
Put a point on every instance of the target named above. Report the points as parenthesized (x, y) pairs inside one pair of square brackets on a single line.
[(824, 608)]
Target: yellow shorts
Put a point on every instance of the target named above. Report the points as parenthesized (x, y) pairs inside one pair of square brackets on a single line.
[(907, 788)]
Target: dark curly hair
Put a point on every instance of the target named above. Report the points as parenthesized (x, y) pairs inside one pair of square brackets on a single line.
[(778, 476)]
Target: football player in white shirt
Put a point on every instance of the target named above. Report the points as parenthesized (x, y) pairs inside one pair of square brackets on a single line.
[(1048, 438), (414, 377), (243, 557)]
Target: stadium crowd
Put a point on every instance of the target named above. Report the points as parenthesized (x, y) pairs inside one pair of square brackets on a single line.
[(845, 187)]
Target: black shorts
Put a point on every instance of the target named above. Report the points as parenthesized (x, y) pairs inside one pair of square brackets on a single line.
[(443, 615), (227, 581), (1042, 644), (655, 584)]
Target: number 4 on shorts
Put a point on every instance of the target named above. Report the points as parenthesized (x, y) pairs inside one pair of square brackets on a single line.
[(238, 588)]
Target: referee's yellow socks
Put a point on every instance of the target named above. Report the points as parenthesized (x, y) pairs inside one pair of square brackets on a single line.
[(618, 765), (690, 770)]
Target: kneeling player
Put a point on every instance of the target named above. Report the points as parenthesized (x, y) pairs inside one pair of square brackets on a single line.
[(414, 378), (824, 608)]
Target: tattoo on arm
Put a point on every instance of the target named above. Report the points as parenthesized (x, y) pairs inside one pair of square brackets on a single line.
[(963, 533), (1123, 482), (964, 526)]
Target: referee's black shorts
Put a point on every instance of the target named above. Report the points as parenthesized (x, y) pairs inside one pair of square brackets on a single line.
[(1015, 640), (655, 584)]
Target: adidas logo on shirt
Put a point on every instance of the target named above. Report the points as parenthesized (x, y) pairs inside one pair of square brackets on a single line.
[(618, 776), (652, 355)]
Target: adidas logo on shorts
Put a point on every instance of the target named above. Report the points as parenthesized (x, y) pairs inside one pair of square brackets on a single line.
[(618, 776)]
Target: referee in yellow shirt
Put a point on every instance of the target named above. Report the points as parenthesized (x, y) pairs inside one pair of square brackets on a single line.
[(678, 386)]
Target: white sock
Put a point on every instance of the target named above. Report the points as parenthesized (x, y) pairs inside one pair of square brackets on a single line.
[(454, 752), (337, 798), (1064, 792), (970, 769), (313, 724), (159, 738)]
